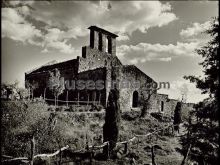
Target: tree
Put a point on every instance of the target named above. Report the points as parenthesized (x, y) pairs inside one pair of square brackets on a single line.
[(21, 121), (204, 135), (210, 64), (23, 93), (56, 84), (10, 91), (6, 90), (113, 114), (184, 92), (25, 123), (177, 116), (112, 121), (146, 97), (31, 86)]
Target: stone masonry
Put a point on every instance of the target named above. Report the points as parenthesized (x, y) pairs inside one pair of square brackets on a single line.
[(99, 61)]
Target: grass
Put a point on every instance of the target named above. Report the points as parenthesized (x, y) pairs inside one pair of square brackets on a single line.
[(75, 128), (165, 145)]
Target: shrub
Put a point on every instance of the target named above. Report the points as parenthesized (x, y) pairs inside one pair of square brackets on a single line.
[(72, 108), (61, 108), (129, 115), (19, 121), (157, 115)]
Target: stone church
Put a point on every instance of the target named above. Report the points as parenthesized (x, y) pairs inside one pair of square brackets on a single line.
[(99, 61)]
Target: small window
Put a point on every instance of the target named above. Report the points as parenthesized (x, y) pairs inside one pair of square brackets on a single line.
[(162, 106), (135, 99), (109, 45), (100, 41)]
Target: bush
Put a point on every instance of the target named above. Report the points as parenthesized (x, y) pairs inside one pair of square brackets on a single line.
[(157, 115), (95, 108), (72, 108), (100, 116), (51, 109), (62, 108), (19, 121), (161, 117), (81, 118), (129, 115)]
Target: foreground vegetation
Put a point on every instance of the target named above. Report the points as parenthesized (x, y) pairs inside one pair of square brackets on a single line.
[(202, 138), (53, 130)]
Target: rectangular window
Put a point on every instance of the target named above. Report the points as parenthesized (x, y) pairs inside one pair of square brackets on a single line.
[(100, 41), (162, 106), (109, 45)]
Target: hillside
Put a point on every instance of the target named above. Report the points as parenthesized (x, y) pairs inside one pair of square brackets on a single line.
[(77, 128)]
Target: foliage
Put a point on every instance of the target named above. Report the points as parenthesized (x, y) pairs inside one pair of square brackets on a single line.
[(19, 122), (112, 120), (184, 92), (177, 116), (146, 97), (23, 119), (130, 115), (23, 93), (209, 84), (10, 91), (203, 127), (31, 86), (71, 129), (161, 117), (56, 84), (177, 113)]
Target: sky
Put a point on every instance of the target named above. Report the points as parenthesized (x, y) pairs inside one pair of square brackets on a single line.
[(159, 37)]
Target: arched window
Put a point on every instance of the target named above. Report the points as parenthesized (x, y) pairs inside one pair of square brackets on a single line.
[(162, 106), (135, 99)]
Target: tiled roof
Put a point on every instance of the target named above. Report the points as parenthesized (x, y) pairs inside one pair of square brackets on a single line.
[(65, 64)]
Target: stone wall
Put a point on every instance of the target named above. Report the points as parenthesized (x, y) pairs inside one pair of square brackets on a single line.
[(169, 105), (132, 74), (94, 58)]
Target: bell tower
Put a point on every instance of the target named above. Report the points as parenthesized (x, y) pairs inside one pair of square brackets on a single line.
[(101, 51), (102, 40)]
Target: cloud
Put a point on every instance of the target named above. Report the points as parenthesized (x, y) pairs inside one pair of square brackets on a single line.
[(182, 86), (122, 18), (68, 20), (61, 46), (20, 2), (56, 39), (122, 37), (17, 3), (14, 26), (143, 52), (195, 29)]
